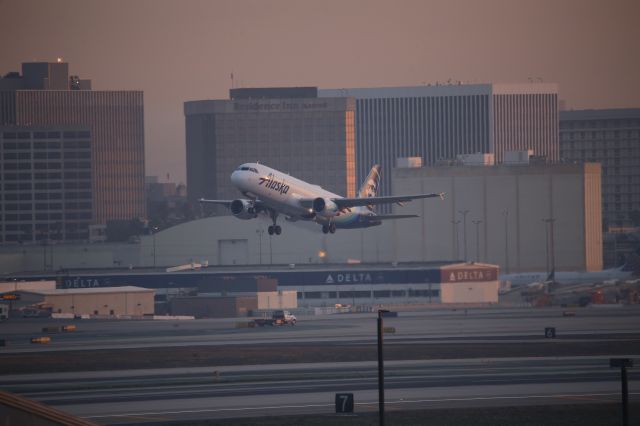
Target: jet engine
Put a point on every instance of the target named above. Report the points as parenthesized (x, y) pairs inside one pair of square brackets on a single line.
[(325, 207), (243, 209)]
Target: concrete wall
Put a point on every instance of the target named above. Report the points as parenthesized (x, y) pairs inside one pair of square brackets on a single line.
[(277, 299), (214, 307), (197, 241), (6, 287), (510, 205), (469, 292), (120, 303)]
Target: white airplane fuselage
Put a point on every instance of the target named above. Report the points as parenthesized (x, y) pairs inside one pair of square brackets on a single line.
[(567, 277)]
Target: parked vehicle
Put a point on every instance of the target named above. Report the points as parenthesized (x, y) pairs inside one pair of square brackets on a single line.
[(278, 318), (4, 312)]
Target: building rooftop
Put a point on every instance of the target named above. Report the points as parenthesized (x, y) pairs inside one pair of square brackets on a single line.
[(600, 114), (94, 290)]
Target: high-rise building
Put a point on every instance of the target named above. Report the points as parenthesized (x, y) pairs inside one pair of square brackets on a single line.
[(46, 183), (610, 137), (440, 122), (289, 129), (45, 95)]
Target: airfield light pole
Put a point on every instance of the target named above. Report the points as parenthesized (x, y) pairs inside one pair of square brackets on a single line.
[(381, 312), (464, 230), (456, 245), (153, 233), (260, 231), (477, 224), (551, 257), (505, 212)]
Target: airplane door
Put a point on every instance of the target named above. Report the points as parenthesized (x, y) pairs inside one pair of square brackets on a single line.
[(233, 252)]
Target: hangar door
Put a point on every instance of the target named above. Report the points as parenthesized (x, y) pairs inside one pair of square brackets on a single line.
[(233, 252)]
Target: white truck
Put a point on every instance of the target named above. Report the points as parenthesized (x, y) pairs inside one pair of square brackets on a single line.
[(4, 312), (278, 318)]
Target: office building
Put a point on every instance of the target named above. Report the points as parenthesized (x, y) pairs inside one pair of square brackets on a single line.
[(289, 129), (45, 95), (610, 137), (45, 193), (440, 122)]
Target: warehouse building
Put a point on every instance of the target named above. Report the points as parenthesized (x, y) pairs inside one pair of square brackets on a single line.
[(527, 217), (104, 301), (434, 284), (309, 285)]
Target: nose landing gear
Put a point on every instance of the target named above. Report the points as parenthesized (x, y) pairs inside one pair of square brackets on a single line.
[(274, 229)]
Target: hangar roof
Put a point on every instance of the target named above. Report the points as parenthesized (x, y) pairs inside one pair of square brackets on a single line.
[(93, 290)]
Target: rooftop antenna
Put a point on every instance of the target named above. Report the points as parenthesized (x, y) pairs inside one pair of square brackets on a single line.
[(232, 80)]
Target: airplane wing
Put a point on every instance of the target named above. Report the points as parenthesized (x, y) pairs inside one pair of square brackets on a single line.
[(258, 205), (393, 216), (225, 203), (355, 202)]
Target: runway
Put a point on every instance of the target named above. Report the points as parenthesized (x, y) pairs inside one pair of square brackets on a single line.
[(117, 372), (170, 394), (436, 326)]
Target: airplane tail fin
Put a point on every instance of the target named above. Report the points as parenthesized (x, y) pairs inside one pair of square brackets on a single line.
[(370, 185)]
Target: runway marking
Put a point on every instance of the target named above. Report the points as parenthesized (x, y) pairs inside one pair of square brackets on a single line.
[(212, 410), (400, 401), (585, 398)]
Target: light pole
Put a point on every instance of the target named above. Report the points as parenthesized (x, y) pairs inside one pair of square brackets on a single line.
[(153, 233), (260, 231), (505, 212), (381, 312), (464, 230), (477, 224), (551, 258), (456, 248)]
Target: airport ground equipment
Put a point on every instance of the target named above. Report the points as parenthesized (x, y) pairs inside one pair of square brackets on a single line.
[(278, 318)]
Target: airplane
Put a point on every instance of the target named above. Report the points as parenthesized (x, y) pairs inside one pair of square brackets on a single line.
[(574, 277), (272, 192)]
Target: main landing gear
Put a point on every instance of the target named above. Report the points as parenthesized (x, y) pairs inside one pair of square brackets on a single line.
[(274, 229), (329, 228)]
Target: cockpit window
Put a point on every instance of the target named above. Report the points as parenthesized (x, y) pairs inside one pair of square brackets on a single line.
[(248, 169)]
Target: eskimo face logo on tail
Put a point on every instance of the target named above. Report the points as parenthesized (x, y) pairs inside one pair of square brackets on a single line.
[(271, 183)]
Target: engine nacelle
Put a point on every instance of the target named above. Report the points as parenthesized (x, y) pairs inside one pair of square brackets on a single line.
[(243, 209), (325, 207)]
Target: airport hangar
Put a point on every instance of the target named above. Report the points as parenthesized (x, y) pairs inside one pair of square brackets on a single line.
[(316, 285)]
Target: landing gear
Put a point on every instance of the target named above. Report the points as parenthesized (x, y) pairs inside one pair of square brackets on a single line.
[(274, 229), (329, 228)]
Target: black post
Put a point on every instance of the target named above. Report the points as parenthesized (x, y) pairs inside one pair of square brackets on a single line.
[(623, 364), (380, 368), (625, 397)]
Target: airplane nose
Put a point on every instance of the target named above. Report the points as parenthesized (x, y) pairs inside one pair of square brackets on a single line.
[(235, 177)]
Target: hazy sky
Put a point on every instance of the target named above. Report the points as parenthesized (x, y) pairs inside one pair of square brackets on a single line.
[(186, 50)]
